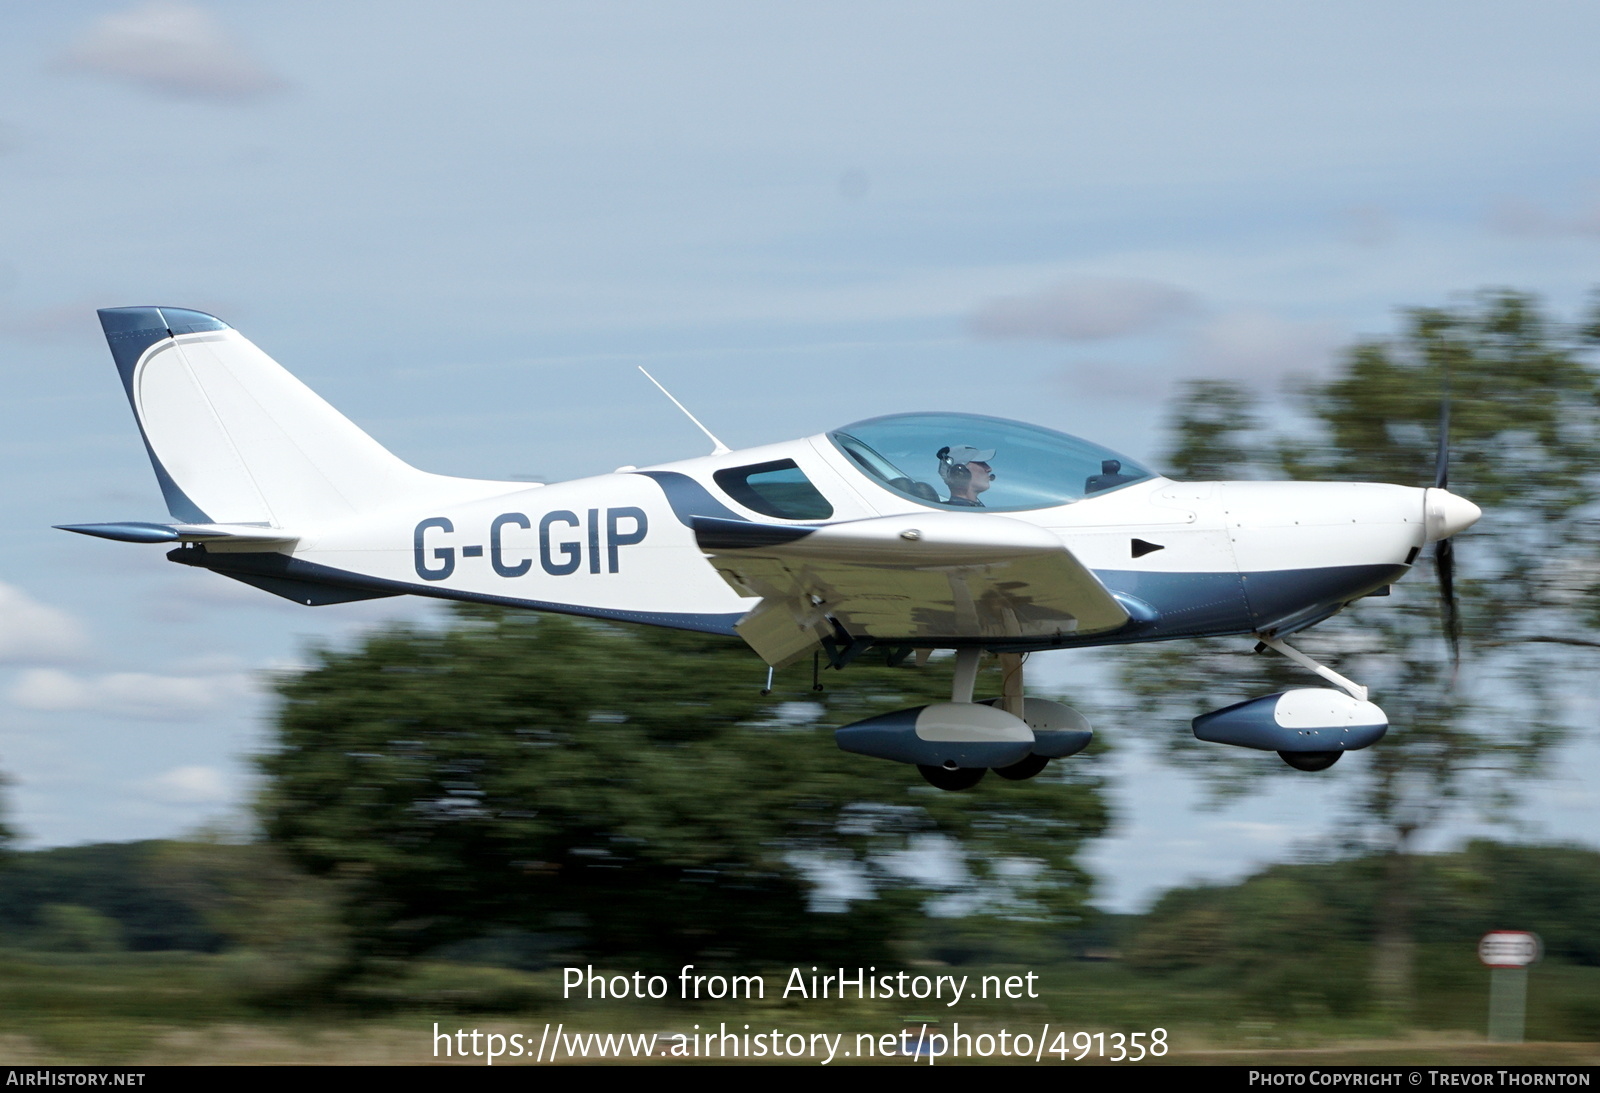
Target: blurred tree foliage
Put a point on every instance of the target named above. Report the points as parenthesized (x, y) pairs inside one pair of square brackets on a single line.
[(634, 791), (69, 928), (1525, 444), (8, 835), (117, 882), (1300, 936), (281, 928)]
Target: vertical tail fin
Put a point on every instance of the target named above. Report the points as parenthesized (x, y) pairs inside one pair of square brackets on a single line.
[(236, 439)]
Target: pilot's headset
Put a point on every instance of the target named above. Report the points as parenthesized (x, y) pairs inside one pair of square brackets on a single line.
[(953, 462)]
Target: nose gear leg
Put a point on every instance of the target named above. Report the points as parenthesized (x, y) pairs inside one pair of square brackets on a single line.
[(1354, 690)]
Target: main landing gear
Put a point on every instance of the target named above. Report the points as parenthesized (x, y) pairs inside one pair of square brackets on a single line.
[(968, 776), (951, 776), (954, 778), (954, 744)]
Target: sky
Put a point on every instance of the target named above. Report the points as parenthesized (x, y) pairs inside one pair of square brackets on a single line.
[(466, 225)]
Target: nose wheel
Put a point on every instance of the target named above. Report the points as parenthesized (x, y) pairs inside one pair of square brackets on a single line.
[(1310, 760)]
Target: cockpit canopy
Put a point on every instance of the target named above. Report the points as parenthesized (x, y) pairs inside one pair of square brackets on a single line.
[(962, 461)]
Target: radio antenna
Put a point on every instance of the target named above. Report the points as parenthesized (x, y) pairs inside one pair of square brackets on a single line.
[(718, 447)]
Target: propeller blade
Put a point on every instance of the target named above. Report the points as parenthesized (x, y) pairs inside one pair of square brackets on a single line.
[(1444, 562), (1444, 551), (1441, 465)]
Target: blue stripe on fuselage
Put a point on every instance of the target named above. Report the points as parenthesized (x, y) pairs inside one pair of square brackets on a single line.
[(1184, 605), (1194, 605), (689, 498), (281, 566), (1201, 605)]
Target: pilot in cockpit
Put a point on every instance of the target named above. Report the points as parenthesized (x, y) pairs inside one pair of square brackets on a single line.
[(966, 473)]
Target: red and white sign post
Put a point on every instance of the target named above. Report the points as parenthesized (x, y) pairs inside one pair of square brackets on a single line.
[(1508, 953)]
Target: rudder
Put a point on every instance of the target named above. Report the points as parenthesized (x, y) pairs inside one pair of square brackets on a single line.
[(236, 439)]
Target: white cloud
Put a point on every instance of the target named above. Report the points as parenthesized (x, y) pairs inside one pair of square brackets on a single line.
[(177, 48), (1366, 226), (1258, 346), (214, 663), (188, 786), (1257, 832), (1518, 216), (129, 694), (32, 632), (1250, 346), (1084, 309)]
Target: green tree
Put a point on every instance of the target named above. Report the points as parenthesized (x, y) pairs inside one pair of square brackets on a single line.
[(633, 790), (115, 880), (1296, 938), (8, 837), (282, 929), (1524, 447), (69, 928)]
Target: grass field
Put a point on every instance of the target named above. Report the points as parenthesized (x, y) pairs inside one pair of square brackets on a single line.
[(173, 1008)]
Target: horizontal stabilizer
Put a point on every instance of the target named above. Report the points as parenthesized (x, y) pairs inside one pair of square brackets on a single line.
[(139, 531)]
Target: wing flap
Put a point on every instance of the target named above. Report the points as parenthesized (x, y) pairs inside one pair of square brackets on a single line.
[(917, 578)]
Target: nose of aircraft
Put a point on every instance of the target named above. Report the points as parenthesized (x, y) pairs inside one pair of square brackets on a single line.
[(1446, 514)]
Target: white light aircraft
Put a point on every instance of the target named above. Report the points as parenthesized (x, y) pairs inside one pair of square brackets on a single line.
[(904, 534)]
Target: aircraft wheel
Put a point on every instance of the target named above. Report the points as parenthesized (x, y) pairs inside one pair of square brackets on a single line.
[(1310, 760), (945, 778), (1023, 769)]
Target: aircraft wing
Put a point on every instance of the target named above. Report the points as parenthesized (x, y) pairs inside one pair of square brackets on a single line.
[(906, 579)]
